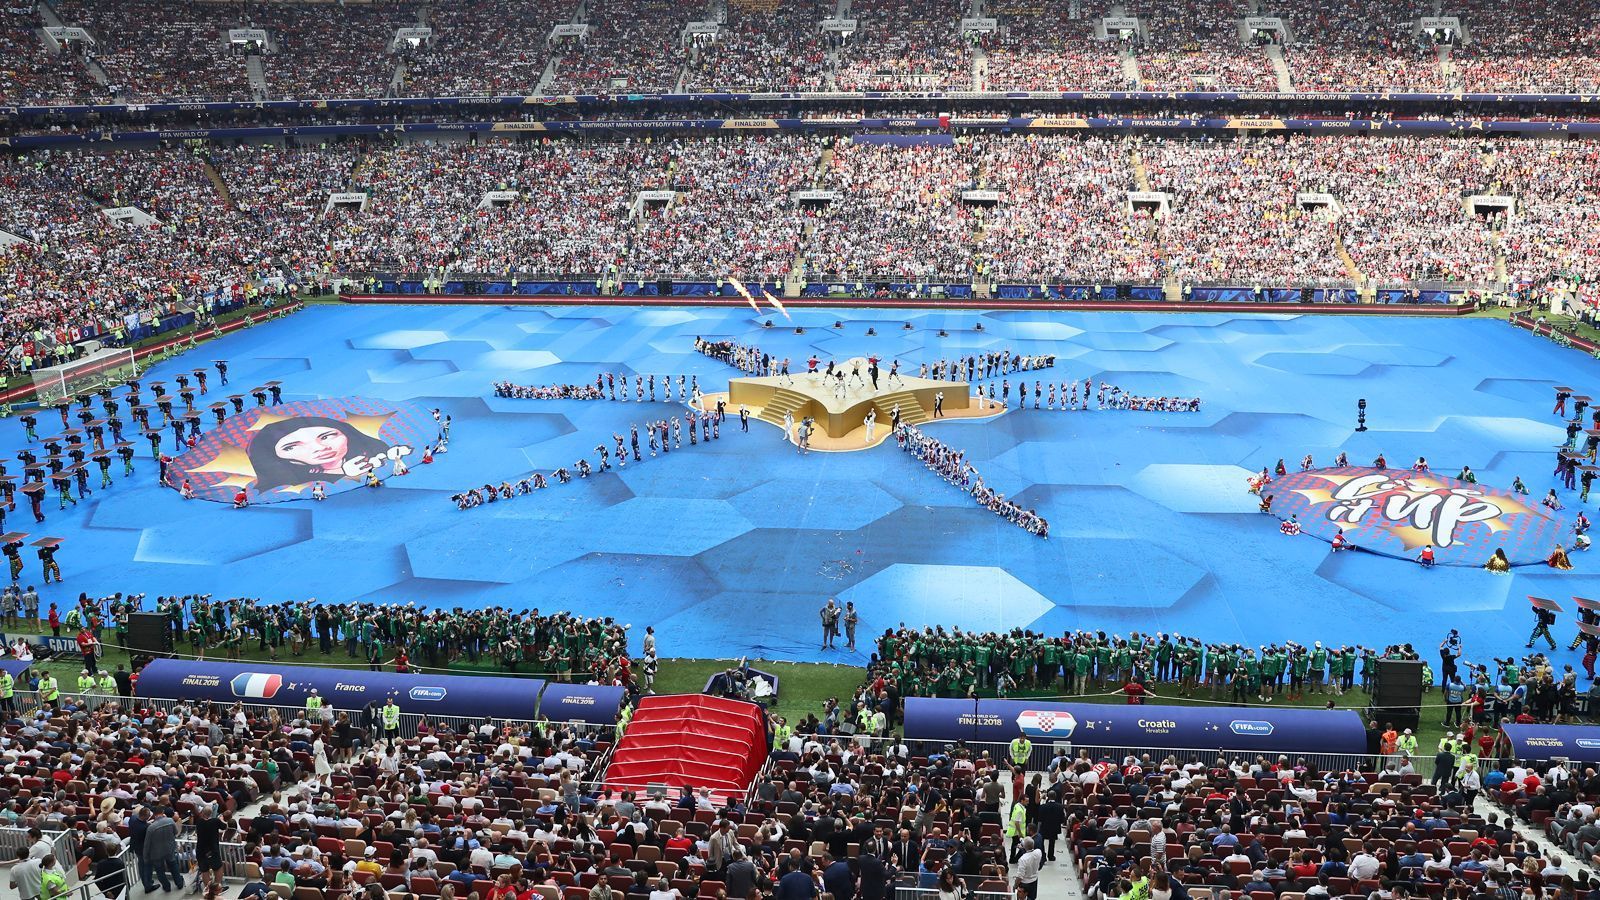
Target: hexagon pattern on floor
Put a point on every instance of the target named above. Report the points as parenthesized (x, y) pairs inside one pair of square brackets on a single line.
[(729, 547)]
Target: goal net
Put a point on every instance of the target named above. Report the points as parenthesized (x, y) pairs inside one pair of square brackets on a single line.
[(102, 368)]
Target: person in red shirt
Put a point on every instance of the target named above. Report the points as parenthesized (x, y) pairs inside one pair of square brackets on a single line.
[(88, 645), (241, 499), (55, 621), (1135, 692)]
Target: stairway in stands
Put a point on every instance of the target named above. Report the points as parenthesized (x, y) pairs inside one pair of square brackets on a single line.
[(690, 740), (911, 411), (783, 401)]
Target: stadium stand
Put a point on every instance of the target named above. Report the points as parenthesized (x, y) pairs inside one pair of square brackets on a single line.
[(1193, 45), (905, 45), (764, 46), (31, 73), (1040, 47), (495, 47), (1060, 212), (1521, 46), (151, 50), (631, 46), (331, 49), (1359, 45)]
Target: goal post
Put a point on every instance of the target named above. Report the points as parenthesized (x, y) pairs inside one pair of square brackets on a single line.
[(103, 368)]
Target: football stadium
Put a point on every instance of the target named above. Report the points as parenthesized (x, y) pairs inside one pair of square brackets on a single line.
[(799, 449)]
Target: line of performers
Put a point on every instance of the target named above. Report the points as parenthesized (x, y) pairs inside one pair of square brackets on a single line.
[(663, 436), (747, 358), (987, 365), (1105, 396), (548, 391), (953, 466), (614, 386)]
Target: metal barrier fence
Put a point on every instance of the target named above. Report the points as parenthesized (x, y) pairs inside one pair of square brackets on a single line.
[(234, 856), (95, 889), (916, 892), (62, 844)]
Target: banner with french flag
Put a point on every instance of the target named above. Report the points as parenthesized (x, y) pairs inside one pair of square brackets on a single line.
[(257, 685)]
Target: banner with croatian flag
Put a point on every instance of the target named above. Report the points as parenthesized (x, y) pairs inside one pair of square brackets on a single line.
[(1140, 726)]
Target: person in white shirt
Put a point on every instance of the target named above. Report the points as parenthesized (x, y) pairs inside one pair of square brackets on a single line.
[(1025, 878), (482, 857), (1364, 866), (1552, 871), (664, 891), (423, 851)]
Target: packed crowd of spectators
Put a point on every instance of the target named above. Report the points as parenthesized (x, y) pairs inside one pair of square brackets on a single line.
[(1394, 228), (632, 46), (1526, 47), (1064, 213), (331, 49), (80, 269), (153, 50), (1358, 45), (30, 72), (1236, 217), (777, 47), (1556, 228), (1049, 208), (1194, 45), (484, 47), (899, 214), (1040, 47), (734, 213), (905, 45)]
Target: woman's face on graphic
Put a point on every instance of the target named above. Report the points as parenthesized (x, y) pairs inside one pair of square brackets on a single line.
[(322, 448)]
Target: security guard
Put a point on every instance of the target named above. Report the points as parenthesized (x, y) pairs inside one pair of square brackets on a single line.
[(85, 683), (391, 720), (781, 733), (623, 718), (1021, 750), (106, 684), (1017, 826), (8, 691), (49, 691), (1407, 744), (313, 705)]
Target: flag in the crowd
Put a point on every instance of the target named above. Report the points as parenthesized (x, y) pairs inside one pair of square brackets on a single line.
[(256, 684), (774, 301)]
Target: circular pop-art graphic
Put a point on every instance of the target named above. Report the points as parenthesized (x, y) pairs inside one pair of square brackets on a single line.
[(284, 452), (1397, 512)]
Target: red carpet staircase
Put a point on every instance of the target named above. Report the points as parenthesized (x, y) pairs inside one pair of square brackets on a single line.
[(690, 739)]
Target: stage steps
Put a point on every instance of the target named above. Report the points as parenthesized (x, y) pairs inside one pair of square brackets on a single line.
[(911, 410), (784, 400)]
